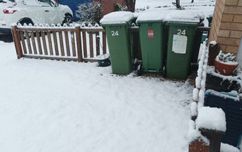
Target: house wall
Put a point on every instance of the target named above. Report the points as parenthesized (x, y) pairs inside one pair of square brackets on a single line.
[(108, 5), (227, 25)]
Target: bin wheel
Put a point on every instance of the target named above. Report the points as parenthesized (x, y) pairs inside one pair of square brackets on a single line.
[(139, 70), (135, 64)]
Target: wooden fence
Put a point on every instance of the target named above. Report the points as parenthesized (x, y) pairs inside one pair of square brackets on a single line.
[(71, 43)]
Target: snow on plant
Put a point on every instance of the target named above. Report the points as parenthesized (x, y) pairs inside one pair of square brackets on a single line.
[(90, 12), (226, 57), (225, 63), (119, 7)]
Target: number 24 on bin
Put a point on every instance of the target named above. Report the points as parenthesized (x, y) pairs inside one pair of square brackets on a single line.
[(114, 33), (181, 32)]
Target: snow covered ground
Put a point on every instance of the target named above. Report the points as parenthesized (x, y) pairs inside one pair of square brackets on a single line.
[(51, 106)]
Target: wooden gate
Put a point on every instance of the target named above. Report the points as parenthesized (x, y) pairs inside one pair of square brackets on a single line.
[(68, 43)]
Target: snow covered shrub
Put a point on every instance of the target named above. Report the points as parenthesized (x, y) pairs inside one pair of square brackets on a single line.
[(90, 12), (119, 7), (225, 63), (226, 57)]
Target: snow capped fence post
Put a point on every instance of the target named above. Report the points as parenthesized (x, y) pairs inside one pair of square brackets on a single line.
[(16, 39), (212, 124), (104, 42), (213, 52), (198, 145), (78, 42), (208, 122)]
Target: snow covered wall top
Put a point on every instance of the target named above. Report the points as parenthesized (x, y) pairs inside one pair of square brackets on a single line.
[(120, 17), (211, 118)]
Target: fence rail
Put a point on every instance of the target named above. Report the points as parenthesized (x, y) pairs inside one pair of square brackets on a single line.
[(72, 43)]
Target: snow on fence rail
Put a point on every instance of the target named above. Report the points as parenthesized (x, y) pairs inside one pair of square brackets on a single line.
[(72, 43), (198, 102), (198, 91)]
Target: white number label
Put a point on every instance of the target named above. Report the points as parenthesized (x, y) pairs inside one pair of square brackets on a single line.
[(181, 32), (114, 33)]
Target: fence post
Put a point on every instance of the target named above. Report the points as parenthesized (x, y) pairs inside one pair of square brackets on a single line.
[(16, 39), (104, 43), (78, 42), (198, 145)]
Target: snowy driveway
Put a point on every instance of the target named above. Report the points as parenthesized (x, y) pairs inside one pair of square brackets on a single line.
[(50, 106)]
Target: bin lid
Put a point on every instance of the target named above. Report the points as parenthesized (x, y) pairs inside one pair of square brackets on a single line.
[(159, 15), (186, 16), (120, 17), (152, 16)]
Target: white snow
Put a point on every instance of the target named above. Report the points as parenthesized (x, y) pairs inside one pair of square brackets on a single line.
[(193, 109), (53, 106), (149, 4), (120, 17), (235, 63), (240, 146), (195, 94), (228, 148), (198, 82), (152, 15), (211, 118), (200, 70), (185, 16), (203, 84), (201, 97), (193, 134), (213, 42), (231, 95), (170, 15), (157, 10), (211, 70)]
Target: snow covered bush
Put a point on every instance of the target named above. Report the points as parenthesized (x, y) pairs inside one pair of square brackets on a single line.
[(226, 57), (225, 63), (120, 7), (90, 12)]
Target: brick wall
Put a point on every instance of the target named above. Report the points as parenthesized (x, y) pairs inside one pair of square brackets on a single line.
[(227, 24), (108, 5)]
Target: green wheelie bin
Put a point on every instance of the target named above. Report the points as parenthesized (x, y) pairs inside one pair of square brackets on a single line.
[(181, 35), (116, 25), (152, 43)]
